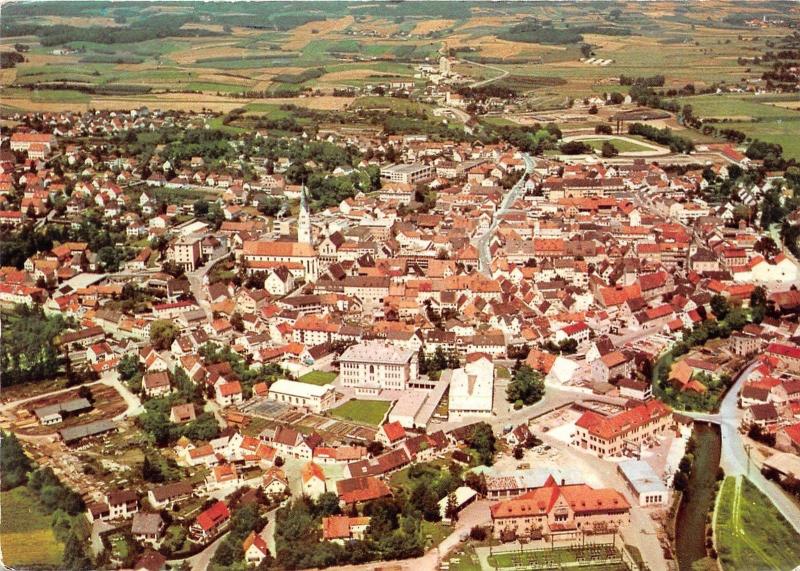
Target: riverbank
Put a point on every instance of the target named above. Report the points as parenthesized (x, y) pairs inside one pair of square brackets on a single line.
[(692, 522)]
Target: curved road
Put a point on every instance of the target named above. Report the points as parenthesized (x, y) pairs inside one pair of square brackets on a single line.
[(503, 73), (735, 458), (482, 242)]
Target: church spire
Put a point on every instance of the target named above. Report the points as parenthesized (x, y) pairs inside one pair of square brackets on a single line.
[(304, 218)]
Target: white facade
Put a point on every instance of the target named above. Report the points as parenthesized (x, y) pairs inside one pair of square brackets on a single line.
[(472, 389), (313, 397), (373, 366)]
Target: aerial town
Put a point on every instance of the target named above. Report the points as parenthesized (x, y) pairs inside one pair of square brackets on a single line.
[(432, 329)]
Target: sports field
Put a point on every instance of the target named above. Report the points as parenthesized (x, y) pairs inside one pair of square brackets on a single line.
[(750, 532), (318, 377), (370, 412)]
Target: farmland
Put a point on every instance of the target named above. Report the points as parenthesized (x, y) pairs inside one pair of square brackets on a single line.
[(218, 65), (25, 534)]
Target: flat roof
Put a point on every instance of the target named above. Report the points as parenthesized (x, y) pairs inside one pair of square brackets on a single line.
[(296, 388), (641, 476)]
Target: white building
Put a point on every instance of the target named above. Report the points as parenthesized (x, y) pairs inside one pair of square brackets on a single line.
[(374, 366), (313, 397), (408, 174), (471, 388), (649, 489)]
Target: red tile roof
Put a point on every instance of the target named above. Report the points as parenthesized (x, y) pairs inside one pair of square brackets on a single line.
[(213, 516)]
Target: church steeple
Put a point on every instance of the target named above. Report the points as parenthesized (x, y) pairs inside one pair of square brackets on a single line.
[(304, 219)]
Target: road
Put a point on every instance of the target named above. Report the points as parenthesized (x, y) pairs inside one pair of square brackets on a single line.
[(482, 242), (503, 73), (735, 458), (197, 279), (200, 561)]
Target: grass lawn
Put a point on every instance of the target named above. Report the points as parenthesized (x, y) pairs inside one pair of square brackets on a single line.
[(318, 377), (363, 411), (25, 534), (464, 559), (622, 145), (435, 532), (751, 533)]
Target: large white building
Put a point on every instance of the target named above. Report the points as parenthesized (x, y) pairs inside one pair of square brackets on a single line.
[(471, 388), (313, 397), (374, 366), (408, 174)]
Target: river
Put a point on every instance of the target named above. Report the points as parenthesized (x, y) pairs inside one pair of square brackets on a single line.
[(698, 499)]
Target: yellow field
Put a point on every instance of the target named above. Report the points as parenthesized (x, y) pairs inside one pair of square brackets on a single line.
[(175, 101), (223, 49), (316, 30), (354, 74), (795, 105), (81, 22), (429, 26), (487, 21)]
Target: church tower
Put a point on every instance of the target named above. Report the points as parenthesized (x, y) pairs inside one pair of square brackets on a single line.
[(304, 219)]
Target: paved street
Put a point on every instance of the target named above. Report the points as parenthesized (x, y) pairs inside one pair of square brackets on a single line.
[(482, 242)]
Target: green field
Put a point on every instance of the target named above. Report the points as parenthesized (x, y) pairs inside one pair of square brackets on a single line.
[(622, 145), (25, 534), (318, 377), (750, 532), (758, 117), (363, 411)]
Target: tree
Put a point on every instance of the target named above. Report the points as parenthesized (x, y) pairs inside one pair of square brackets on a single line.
[(767, 247), (451, 511), (201, 208), (424, 499), (519, 452), (15, 464), (526, 386), (477, 482), (720, 306), (151, 471), (162, 334), (608, 150), (482, 440), (327, 504), (75, 558), (237, 322)]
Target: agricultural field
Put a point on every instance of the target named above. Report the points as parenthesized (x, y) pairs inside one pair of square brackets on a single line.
[(26, 537), (200, 64), (370, 412), (770, 119), (750, 532)]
